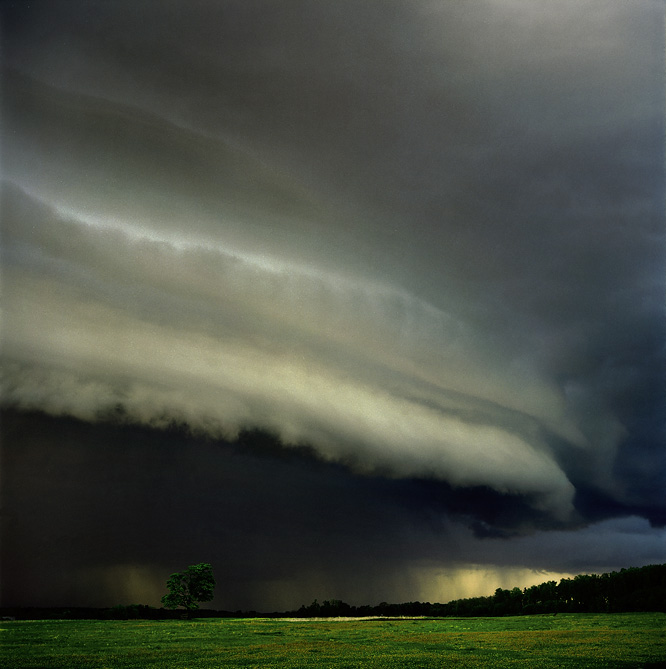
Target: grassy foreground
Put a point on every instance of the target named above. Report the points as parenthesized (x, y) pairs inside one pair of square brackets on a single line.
[(565, 640)]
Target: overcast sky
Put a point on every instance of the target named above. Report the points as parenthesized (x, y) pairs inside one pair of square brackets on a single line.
[(424, 237)]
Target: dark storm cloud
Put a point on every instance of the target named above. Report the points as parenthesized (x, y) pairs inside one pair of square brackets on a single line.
[(425, 238), (280, 531)]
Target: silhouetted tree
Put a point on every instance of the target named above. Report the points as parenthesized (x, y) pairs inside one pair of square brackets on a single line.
[(188, 588)]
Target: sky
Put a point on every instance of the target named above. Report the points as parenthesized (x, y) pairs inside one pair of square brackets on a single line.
[(353, 300)]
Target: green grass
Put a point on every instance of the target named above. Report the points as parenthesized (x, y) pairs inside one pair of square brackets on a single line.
[(566, 640)]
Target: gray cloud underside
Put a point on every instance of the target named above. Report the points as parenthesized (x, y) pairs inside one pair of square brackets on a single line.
[(427, 240)]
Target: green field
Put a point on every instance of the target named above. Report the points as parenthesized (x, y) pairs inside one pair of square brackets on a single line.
[(565, 640)]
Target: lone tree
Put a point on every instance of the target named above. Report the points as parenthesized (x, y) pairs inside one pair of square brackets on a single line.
[(188, 588)]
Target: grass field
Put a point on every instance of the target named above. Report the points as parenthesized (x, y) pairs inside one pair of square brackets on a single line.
[(565, 640)]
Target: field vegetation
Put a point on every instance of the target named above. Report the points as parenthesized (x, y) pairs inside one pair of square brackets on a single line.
[(563, 640)]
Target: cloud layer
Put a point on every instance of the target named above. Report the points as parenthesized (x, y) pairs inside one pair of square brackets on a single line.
[(188, 333)]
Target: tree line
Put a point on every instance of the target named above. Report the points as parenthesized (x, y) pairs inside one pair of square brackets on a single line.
[(632, 589)]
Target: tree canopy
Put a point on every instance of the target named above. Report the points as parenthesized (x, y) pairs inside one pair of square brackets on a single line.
[(188, 588)]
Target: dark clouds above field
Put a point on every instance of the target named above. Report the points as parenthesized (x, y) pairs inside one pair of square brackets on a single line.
[(425, 238)]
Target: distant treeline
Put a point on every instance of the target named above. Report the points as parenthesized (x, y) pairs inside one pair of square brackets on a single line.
[(633, 589)]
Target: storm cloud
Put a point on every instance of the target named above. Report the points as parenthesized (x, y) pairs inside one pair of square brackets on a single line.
[(424, 238)]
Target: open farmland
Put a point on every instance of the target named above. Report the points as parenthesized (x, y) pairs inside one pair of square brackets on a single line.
[(565, 640)]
